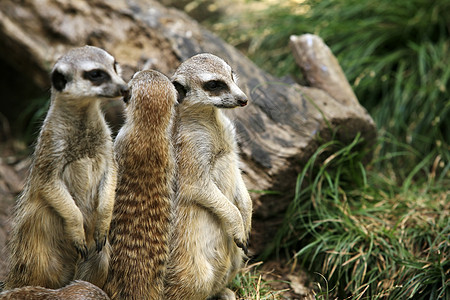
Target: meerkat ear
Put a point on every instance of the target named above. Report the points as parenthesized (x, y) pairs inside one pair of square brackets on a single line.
[(181, 91), (59, 80)]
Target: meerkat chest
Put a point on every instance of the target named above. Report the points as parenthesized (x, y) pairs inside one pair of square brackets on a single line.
[(224, 174), (224, 159), (88, 160), (83, 178)]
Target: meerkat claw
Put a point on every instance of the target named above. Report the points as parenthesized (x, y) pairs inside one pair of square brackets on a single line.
[(100, 243), (82, 251), (242, 246)]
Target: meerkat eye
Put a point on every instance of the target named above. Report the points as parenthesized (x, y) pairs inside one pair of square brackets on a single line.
[(215, 85), (96, 76)]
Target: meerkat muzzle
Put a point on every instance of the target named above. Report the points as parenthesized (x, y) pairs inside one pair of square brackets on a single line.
[(126, 94), (242, 102)]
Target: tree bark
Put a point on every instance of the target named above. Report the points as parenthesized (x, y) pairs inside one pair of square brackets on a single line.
[(278, 129)]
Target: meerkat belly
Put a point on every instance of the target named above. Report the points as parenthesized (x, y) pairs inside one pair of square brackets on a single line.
[(83, 178), (209, 246)]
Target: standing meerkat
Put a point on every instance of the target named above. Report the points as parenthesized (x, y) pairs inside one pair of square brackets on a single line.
[(76, 290), (65, 209), (213, 208), (141, 224)]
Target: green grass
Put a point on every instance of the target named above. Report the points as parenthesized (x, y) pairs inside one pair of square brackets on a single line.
[(369, 237), (249, 284)]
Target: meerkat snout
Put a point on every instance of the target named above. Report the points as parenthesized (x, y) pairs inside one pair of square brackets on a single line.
[(242, 101), (126, 94)]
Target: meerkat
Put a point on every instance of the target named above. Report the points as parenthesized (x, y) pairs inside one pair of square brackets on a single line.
[(212, 207), (76, 290), (62, 217), (141, 224)]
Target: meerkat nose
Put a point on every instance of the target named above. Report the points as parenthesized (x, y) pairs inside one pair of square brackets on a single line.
[(124, 89), (243, 101), (125, 93)]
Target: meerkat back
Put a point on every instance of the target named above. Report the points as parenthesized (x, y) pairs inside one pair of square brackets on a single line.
[(213, 207), (62, 217), (141, 224)]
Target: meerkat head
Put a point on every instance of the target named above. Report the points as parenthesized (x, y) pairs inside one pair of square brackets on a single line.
[(87, 72), (151, 94), (208, 80)]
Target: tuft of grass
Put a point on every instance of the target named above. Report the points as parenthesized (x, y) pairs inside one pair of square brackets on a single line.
[(249, 284), (369, 237)]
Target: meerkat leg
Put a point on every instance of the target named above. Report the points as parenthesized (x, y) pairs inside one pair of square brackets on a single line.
[(62, 202), (95, 268), (105, 208), (214, 200), (244, 203), (43, 267)]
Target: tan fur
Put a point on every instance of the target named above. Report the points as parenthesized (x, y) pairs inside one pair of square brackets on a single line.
[(213, 207), (65, 209), (141, 225), (77, 290)]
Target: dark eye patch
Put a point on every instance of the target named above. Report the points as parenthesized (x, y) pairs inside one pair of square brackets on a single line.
[(215, 86), (59, 80), (96, 76)]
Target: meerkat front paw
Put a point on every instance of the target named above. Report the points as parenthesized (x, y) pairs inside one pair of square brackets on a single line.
[(240, 236), (100, 237), (101, 231), (75, 230), (242, 245), (82, 249), (79, 241)]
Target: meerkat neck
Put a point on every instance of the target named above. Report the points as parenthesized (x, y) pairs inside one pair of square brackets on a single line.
[(76, 117), (76, 108), (199, 112)]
